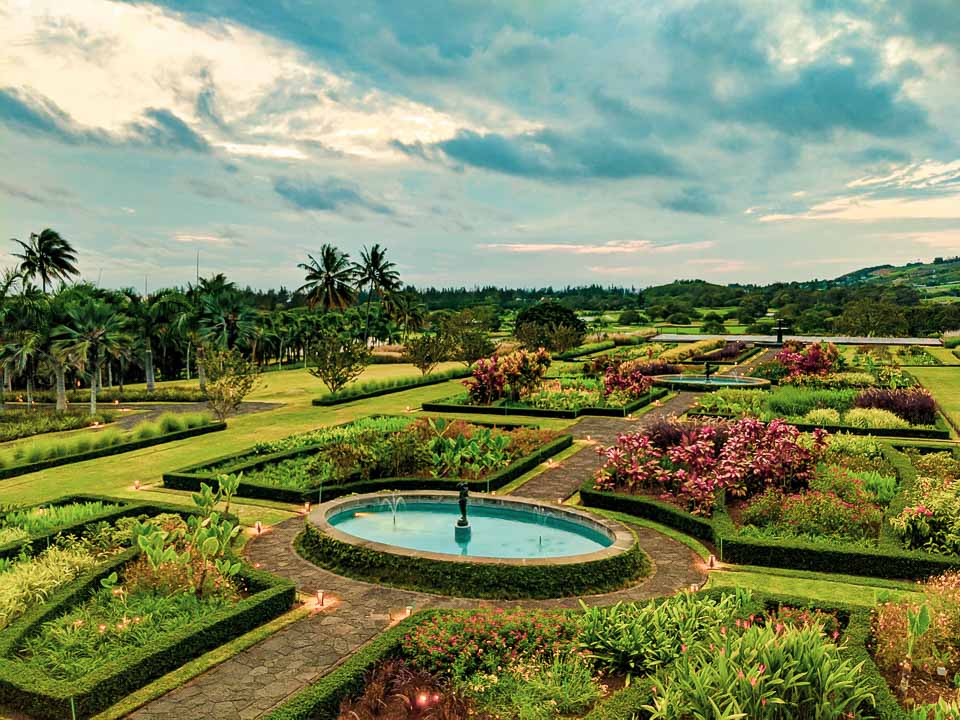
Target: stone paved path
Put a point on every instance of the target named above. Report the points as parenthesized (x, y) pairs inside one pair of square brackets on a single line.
[(563, 480), (258, 679)]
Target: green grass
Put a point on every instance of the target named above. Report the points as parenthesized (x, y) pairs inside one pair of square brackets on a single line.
[(944, 384), (815, 588)]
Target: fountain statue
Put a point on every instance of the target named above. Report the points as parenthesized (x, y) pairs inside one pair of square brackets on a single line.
[(461, 530), (709, 369)]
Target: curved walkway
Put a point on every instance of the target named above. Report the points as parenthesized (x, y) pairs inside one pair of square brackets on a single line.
[(258, 679)]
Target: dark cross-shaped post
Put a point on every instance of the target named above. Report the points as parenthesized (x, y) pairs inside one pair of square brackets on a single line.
[(780, 328)]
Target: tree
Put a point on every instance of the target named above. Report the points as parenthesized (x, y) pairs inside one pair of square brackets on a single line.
[(147, 317), (873, 318), (225, 319), (549, 325), (230, 378), (9, 282), (329, 282), (713, 324), (47, 256), (338, 358), (629, 317), (378, 275), (428, 350), (92, 331)]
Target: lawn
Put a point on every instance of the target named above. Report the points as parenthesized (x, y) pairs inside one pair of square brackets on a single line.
[(944, 383)]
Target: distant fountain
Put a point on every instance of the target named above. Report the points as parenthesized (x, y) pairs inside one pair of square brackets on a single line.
[(709, 370), (394, 501), (461, 531), (540, 513)]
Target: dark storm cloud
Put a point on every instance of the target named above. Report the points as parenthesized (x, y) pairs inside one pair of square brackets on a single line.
[(330, 195)]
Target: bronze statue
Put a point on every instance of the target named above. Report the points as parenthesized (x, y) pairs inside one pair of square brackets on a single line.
[(464, 493)]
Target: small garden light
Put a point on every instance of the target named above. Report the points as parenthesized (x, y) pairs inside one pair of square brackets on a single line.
[(258, 526), (306, 508), (136, 484), (712, 562), (319, 598)]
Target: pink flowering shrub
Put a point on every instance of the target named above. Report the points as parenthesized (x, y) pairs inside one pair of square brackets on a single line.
[(814, 359), (695, 470), (815, 512), (627, 378), (516, 374), (463, 643)]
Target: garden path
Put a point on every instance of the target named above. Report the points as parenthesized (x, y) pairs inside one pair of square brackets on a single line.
[(258, 679), (565, 477)]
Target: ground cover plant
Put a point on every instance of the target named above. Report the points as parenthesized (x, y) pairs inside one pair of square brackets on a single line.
[(47, 449), (869, 408), (16, 424), (21, 524), (774, 662)]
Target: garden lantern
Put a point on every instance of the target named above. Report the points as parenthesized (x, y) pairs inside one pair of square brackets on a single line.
[(319, 598), (258, 526), (136, 484)]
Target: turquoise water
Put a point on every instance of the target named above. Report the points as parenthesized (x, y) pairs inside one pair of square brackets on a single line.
[(495, 531), (718, 380)]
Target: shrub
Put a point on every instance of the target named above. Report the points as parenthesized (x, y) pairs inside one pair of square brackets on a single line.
[(794, 402), (639, 638), (396, 691), (822, 416), (814, 359), (762, 674), (931, 518), (467, 642), (832, 380), (870, 418), (815, 513), (915, 405), (774, 371), (519, 372)]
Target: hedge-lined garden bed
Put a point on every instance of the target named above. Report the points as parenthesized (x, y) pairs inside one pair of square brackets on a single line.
[(784, 653), (288, 455), (940, 432), (113, 444), (377, 388), (506, 407), (473, 579)]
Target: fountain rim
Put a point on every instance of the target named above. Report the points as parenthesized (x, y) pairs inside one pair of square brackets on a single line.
[(715, 382), (622, 538)]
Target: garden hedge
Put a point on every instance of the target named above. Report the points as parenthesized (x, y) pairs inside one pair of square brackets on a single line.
[(585, 349), (886, 561), (940, 432), (128, 508), (448, 407), (123, 447), (481, 580), (745, 355), (44, 697), (177, 394), (345, 396), (190, 479)]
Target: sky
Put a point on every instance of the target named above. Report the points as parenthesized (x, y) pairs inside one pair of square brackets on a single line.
[(503, 142)]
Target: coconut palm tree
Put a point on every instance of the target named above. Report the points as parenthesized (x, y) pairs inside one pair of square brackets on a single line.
[(226, 319), (378, 275), (23, 345), (148, 315), (9, 283), (93, 330), (47, 256), (329, 281)]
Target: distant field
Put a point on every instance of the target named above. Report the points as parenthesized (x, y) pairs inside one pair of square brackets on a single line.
[(695, 329)]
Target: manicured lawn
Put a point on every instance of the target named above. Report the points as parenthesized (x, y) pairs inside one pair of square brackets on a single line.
[(944, 355), (811, 585), (944, 383)]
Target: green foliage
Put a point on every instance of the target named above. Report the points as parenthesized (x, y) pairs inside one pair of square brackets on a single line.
[(427, 351), (16, 424), (376, 388), (874, 418), (21, 524), (338, 358), (638, 639), (230, 378), (762, 674), (549, 325)]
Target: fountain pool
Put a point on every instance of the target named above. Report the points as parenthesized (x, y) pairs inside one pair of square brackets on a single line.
[(712, 382)]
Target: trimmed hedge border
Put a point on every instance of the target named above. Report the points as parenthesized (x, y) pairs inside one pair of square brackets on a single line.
[(118, 449), (651, 396), (585, 349), (484, 580), (188, 480), (940, 433), (38, 543), (44, 697), (888, 560), (745, 355), (331, 399)]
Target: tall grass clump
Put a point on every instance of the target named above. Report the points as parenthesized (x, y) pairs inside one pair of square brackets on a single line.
[(45, 518), (26, 583), (793, 401)]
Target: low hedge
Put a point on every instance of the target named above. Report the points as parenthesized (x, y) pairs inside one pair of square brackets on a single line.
[(705, 358), (884, 562), (38, 543), (321, 701), (123, 447), (481, 580), (178, 394), (187, 480), (585, 349), (44, 697), (506, 409), (940, 432), (388, 387)]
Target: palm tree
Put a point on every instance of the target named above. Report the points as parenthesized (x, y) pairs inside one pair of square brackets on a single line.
[(47, 256), (148, 315), (93, 330), (226, 319), (329, 281), (23, 346), (378, 275), (9, 282)]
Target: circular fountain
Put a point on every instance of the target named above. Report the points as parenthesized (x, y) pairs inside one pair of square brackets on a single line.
[(413, 539), (709, 382)]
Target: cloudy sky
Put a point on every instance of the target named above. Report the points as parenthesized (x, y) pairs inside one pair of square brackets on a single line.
[(505, 141)]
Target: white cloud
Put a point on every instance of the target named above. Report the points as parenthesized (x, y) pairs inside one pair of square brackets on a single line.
[(948, 240), (866, 208), (915, 176), (105, 63), (202, 239), (613, 247)]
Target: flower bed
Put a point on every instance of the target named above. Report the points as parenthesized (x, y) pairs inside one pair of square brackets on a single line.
[(780, 656), (142, 612), (377, 454), (732, 353), (763, 498), (17, 424), (42, 455), (902, 412), (821, 365)]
